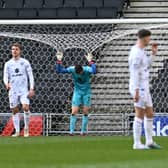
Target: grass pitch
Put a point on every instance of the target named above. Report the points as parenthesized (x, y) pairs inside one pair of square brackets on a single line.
[(79, 152)]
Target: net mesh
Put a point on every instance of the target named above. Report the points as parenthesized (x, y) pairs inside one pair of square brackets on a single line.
[(110, 45)]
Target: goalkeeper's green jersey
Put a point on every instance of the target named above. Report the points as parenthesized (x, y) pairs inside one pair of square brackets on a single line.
[(81, 81)]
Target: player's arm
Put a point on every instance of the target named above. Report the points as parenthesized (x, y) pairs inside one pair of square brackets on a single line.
[(135, 71), (58, 67), (31, 79), (92, 68), (6, 77), (154, 53)]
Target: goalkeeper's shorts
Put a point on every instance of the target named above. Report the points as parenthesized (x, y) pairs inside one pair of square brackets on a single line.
[(81, 99), (145, 99)]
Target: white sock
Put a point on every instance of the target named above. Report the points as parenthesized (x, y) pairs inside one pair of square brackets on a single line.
[(16, 122), (137, 130), (148, 126), (26, 119)]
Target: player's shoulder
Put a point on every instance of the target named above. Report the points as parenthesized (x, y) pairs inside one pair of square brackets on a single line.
[(134, 48), (9, 62), (135, 51), (86, 67), (24, 60), (71, 68)]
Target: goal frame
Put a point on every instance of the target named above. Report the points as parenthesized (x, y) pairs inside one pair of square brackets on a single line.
[(125, 118), (81, 21)]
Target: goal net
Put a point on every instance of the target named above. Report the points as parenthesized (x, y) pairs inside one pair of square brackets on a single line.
[(109, 41)]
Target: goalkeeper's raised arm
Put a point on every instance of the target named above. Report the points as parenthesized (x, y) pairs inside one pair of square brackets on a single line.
[(82, 89), (60, 69)]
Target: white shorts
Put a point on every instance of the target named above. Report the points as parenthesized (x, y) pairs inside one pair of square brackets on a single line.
[(16, 99), (145, 99)]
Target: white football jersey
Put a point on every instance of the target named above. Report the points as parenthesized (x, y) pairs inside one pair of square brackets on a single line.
[(139, 65), (18, 73)]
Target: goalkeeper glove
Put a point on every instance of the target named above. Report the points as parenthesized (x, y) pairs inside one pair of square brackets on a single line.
[(89, 57), (59, 55)]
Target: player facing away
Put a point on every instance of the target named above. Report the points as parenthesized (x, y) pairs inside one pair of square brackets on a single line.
[(18, 76), (82, 89), (139, 65)]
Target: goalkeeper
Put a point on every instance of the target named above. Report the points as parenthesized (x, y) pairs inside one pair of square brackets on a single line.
[(82, 89)]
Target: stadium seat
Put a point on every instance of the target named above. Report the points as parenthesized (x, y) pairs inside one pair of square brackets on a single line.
[(113, 3), (33, 4), (27, 13), (93, 3), (66, 13), (1, 4), (53, 3), (107, 13), (13, 4), (73, 3), (47, 13), (86, 13), (8, 13)]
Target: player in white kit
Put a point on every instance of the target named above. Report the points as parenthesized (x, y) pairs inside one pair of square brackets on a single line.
[(139, 65), (19, 81)]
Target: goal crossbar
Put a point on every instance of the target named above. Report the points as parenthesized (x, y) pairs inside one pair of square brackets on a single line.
[(82, 21)]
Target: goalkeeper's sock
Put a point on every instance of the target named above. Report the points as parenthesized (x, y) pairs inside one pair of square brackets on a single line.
[(84, 123), (16, 122), (72, 123), (148, 126), (137, 129), (26, 119)]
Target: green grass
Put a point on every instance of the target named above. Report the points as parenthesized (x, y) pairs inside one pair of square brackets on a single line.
[(79, 152)]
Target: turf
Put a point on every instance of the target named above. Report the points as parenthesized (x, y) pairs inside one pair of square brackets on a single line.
[(79, 152)]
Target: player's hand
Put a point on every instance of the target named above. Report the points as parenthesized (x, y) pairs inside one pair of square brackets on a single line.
[(89, 57), (8, 86), (154, 48), (59, 55), (136, 97), (31, 93)]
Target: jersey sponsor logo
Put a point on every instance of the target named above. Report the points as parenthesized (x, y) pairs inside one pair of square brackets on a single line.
[(16, 75)]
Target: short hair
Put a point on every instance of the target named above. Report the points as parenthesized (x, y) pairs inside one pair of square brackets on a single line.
[(78, 69), (143, 33), (17, 45)]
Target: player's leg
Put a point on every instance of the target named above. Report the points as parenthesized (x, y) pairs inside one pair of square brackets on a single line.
[(137, 128), (76, 101), (14, 101), (73, 119), (85, 120), (27, 113), (87, 103), (16, 121), (25, 107), (138, 120), (148, 124)]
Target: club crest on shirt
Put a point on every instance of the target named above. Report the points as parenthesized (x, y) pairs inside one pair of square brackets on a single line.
[(16, 70), (22, 63)]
